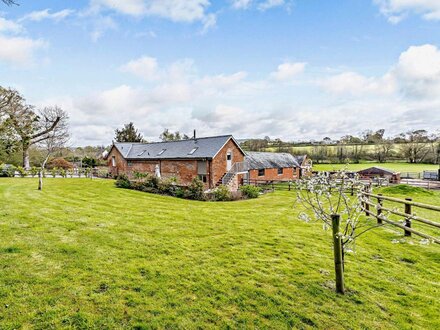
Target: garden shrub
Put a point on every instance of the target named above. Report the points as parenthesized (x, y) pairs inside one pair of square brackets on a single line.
[(222, 193), (63, 172), (123, 182), (34, 171), (21, 171), (7, 170), (140, 175), (250, 191), (59, 163), (54, 172), (195, 190)]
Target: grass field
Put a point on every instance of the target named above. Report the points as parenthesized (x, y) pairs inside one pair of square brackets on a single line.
[(398, 167), (84, 255)]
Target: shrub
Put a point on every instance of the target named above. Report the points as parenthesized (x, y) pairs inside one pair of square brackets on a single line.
[(140, 175), (60, 163), (63, 172), (21, 171), (70, 172), (195, 190), (7, 170), (54, 172), (250, 191), (34, 171), (123, 182), (167, 187), (222, 193)]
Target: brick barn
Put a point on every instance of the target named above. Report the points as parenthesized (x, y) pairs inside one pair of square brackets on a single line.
[(379, 172), (268, 166), (209, 158)]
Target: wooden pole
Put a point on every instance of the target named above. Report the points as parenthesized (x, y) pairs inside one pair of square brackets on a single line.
[(367, 206), (379, 209), (337, 251), (408, 219)]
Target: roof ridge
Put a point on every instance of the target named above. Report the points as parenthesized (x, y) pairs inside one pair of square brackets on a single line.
[(183, 140)]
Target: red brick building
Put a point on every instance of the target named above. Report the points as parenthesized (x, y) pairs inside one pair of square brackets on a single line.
[(268, 166), (209, 158)]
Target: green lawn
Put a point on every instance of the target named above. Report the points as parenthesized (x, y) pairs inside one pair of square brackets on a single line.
[(398, 167), (84, 255)]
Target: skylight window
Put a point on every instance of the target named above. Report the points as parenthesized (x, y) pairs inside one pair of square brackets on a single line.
[(193, 151), (142, 153), (161, 152)]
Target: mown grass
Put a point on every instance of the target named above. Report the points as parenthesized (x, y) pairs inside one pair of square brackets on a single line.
[(397, 167), (83, 254)]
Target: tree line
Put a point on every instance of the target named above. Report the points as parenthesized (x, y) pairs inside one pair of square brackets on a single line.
[(416, 146)]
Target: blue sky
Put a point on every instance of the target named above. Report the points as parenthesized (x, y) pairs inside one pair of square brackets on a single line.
[(300, 69)]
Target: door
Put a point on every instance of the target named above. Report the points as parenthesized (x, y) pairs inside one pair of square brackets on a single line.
[(228, 160)]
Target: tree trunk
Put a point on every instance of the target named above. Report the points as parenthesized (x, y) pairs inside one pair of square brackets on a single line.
[(26, 163), (40, 180), (338, 255)]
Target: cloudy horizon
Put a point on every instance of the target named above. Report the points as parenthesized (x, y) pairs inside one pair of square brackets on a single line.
[(296, 70)]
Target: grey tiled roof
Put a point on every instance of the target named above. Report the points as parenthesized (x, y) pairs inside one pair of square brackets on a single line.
[(205, 147), (376, 170), (260, 160)]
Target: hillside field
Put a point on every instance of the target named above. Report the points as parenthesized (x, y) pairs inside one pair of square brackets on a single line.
[(397, 167), (83, 254)]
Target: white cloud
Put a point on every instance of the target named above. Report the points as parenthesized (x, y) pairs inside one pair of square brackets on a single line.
[(19, 50), (38, 16), (418, 71), (288, 70), (268, 4), (396, 10), (175, 10), (406, 96), (100, 25), (145, 67), (241, 4), (415, 75), (10, 26)]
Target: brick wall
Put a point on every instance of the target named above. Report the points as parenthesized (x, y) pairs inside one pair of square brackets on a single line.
[(271, 174), (218, 168), (184, 170)]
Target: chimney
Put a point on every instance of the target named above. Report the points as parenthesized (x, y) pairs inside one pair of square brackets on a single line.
[(194, 136)]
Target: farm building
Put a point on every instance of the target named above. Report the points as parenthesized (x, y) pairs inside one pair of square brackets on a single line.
[(215, 160), (378, 172), (209, 158), (268, 166)]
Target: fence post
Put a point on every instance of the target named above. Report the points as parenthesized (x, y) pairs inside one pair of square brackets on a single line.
[(337, 251), (289, 185), (379, 209), (352, 190), (367, 206), (408, 220)]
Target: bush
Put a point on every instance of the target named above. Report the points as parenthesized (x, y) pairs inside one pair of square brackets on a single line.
[(60, 163), (54, 172), (195, 190), (123, 182), (250, 191), (222, 193), (63, 172), (34, 171), (167, 187), (140, 175), (21, 171), (7, 170)]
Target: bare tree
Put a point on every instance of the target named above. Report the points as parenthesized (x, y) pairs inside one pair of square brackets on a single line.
[(10, 2), (54, 140), (416, 147), (383, 150), (30, 127)]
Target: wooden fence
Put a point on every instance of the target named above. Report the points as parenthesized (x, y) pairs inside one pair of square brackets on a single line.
[(407, 214)]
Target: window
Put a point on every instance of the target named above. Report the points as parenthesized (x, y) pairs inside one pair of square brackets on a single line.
[(193, 151), (201, 167), (161, 152), (203, 177), (142, 153), (261, 172), (280, 171), (114, 161), (229, 156)]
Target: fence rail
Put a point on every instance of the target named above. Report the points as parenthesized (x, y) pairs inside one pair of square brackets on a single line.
[(407, 215)]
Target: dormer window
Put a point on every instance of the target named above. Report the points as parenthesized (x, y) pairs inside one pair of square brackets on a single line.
[(161, 152), (193, 151)]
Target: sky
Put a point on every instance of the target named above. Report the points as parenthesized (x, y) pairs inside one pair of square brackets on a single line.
[(290, 69)]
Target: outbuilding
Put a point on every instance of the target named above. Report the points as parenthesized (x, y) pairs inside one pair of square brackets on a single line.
[(379, 172), (270, 166)]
